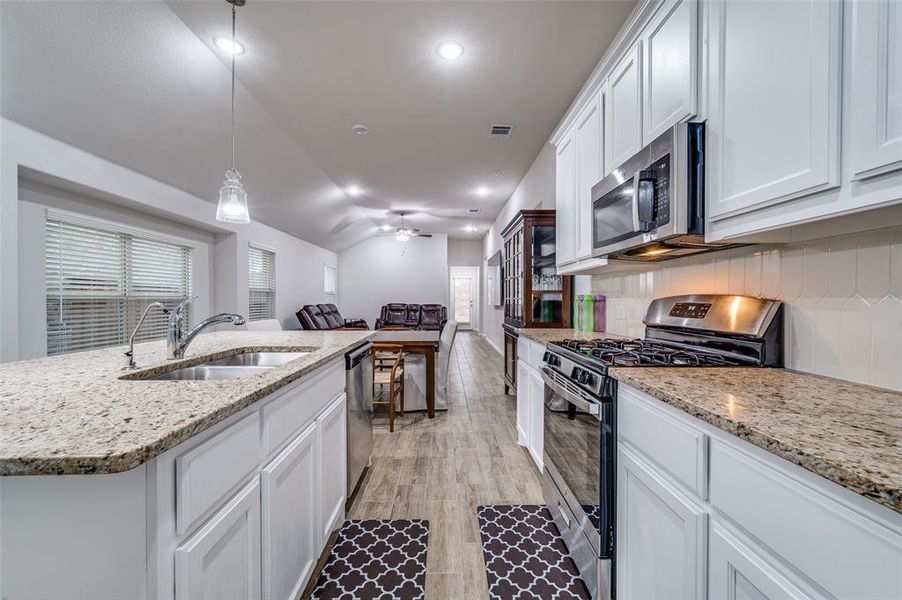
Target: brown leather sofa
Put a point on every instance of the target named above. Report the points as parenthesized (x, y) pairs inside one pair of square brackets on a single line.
[(425, 317), (326, 316)]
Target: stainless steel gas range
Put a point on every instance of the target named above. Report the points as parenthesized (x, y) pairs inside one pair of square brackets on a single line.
[(580, 428)]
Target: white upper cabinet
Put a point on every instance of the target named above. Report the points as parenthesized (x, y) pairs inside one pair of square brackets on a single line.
[(590, 152), (774, 96), (565, 200), (876, 91), (623, 130), (669, 67)]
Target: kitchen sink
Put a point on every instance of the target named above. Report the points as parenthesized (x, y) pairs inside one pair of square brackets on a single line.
[(256, 359), (243, 364), (207, 372)]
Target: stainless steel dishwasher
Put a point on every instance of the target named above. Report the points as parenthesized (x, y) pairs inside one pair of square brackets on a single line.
[(359, 373)]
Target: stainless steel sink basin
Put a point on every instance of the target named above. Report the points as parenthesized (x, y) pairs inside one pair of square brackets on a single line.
[(208, 372), (256, 359)]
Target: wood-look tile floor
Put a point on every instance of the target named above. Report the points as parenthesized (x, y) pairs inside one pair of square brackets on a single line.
[(442, 469)]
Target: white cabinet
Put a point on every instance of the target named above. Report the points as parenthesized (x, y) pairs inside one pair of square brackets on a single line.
[(876, 91), (660, 535), (773, 103), (536, 418), (523, 388), (623, 122), (222, 560), (590, 166), (669, 67), (737, 572), (565, 199), (332, 444), (290, 524)]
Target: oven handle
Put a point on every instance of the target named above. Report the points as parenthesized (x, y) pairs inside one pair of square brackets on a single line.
[(580, 402)]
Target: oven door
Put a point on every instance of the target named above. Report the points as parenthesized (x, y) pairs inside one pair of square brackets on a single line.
[(579, 457)]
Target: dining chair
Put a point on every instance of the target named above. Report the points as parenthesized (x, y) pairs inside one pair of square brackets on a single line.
[(415, 373), (389, 372)]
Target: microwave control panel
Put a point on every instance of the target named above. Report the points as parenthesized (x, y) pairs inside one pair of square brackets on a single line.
[(661, 170)]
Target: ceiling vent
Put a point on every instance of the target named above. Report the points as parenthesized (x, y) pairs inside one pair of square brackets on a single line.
[(503, 131), (474, 211)]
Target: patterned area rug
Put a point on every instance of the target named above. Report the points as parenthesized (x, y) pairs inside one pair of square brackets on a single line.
[(376, 560), (525, 556)]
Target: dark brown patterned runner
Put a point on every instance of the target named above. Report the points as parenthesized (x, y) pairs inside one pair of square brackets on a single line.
[(525, 556), (376, 559)]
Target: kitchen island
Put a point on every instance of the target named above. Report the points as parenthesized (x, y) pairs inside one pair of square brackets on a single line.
[(119, 486)]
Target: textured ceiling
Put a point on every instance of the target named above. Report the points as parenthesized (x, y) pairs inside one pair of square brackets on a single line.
[(142, 84)]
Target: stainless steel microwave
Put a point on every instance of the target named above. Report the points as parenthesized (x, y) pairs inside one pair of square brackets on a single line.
[(652, 207)]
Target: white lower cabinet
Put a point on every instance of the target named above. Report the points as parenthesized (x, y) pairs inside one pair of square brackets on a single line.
[(290, 536), (766, 529), (530, 399), (737, 572), (222, 560), (331, 436), (523, 387), (536, 418), (660, 535)]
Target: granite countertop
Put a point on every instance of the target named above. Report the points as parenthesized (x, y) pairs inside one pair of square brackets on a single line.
[(543, 336), (74, 414), (849, 433)]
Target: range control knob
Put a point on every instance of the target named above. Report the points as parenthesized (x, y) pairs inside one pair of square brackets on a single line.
[(585, 377)]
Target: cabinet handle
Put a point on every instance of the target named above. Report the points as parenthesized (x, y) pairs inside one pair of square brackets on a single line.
[(563, 514)]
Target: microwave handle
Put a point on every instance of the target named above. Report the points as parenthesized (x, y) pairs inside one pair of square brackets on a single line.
[(637, 224)]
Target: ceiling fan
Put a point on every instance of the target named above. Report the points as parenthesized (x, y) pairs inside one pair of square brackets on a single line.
[(403, 233)]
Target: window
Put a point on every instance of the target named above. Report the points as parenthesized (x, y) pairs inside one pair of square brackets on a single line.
[(261, 284), (99, 281), (330, 285)]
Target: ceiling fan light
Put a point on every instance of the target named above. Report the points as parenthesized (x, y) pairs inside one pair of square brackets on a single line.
[(232, 206), (402, 235)]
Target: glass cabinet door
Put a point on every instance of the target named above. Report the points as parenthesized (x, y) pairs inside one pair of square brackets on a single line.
[(546, 304)]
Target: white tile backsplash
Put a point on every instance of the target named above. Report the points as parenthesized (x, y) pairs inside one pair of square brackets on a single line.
[(843, 299)]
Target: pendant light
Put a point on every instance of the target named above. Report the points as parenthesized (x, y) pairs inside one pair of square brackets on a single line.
[(232, 207)]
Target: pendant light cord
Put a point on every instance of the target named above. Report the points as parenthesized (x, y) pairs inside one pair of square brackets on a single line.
[(232, 116)]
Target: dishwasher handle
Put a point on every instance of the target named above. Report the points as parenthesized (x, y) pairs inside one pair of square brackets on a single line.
[(358, 355)]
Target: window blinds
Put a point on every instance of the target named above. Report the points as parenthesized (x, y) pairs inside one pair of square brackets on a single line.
[(99, 281), (261, 284), (330, 292)]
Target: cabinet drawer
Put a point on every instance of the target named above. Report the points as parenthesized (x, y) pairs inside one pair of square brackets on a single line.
[(205, 475), (294, 409), (843, 551), (668, 440), (531, 353)]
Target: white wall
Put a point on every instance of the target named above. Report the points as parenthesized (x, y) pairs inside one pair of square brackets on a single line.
[(465, 253), (843, 298), (118, 192), (382, 270), (535, 190)]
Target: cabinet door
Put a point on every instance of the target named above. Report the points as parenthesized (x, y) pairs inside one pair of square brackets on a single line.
[(660, 535), (773, 131), (291, 536), (222, 560), (623, 115), (736, 572), (669, 59), (523, 408), (331, 428), (536, 418), (565, 199), (876, 135), (590, 151)]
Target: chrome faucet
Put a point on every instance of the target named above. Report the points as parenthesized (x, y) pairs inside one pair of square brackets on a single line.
[(177, 340), (130, 355)]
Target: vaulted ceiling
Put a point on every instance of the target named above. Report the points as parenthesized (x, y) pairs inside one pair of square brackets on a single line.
[(142, 84)]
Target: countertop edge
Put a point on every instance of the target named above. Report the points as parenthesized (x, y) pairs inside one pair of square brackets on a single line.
[(133, 458)]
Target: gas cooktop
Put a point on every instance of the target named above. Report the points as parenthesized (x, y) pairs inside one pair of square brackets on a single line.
[(611, 352)]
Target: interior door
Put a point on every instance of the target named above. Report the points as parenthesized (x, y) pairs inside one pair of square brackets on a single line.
[(464, 294)]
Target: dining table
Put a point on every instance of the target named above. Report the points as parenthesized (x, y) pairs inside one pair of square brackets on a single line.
[(415, 342)]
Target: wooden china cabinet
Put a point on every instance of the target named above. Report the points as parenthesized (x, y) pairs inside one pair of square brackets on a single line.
[(533, 294)]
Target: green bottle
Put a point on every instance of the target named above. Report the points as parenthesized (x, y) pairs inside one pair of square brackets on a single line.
[(588, 318)]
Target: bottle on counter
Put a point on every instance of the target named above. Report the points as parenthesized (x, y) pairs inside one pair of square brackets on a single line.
[(588, 320), (600, 320)]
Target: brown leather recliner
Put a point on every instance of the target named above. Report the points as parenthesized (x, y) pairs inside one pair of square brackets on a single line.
[(428, 317), (326, 316)]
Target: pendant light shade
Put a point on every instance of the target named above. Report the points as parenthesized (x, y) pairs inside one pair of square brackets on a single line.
[(232, 206)]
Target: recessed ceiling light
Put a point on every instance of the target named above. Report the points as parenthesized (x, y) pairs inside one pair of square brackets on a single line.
[(450, 50), (353, 190), (470, 228), (482, 191), (385, 227), (226, 45), (360, 129)]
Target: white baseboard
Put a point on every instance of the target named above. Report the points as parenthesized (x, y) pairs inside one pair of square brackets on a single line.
[(492, 344)]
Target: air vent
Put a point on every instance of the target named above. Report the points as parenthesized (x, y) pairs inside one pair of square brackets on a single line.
[(474, 211), (502, 130)]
